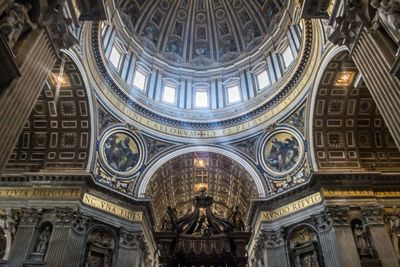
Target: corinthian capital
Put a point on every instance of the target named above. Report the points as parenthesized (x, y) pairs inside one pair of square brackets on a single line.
[(273, 239)]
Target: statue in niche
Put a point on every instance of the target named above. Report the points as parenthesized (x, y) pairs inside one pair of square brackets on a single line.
[(43, 241), (236, 218), (363, 246), (16, 22), (170, 218), (393, 219), (11, 223)]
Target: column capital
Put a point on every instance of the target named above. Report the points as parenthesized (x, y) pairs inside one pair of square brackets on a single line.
[(373, 214), (323, 221), (30, 216), (131, 240), (63, 216), (80, 223), (338, 215), (273, 239)]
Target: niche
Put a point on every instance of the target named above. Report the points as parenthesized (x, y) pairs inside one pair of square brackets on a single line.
[(304, 249), (99, 250), (42, 241), (362, 238)]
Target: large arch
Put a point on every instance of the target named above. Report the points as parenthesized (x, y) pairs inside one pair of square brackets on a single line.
[(143, 183)]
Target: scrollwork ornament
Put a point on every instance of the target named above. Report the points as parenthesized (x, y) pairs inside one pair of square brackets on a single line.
[(258, 250), (80, 224), (129, 240), (323, 222)]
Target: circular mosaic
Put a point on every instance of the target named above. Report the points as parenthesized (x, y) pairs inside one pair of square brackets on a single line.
[(282, 152), (121, 152)]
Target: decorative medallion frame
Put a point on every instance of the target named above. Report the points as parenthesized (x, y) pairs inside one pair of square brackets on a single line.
[(281, 152), (121, 152)]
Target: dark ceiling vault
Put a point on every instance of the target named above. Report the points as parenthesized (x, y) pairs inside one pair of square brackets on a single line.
[(57, 133), (349, 131), (176, 184)]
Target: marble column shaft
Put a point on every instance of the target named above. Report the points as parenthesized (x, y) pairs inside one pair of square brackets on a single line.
[(275, 257), (17, 101), (20, 246), (369, 56), (347, 247), (74, 249), (382, 244), (330, 249), (128, 257)]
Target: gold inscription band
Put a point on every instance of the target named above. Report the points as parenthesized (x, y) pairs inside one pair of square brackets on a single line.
[(40, 192), (291, 208), (360, 193), (112, 208)]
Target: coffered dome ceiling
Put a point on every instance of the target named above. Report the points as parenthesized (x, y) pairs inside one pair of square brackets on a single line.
[(203, 32)]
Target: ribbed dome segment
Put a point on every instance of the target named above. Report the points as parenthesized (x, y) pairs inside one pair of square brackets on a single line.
[(200, 33)]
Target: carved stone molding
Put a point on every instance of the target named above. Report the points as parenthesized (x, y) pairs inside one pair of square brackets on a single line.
[(130, 240), (338, 215), (373, 214), (80, 224), (357, 14), (258, 249), (273, 239), (323, 222)]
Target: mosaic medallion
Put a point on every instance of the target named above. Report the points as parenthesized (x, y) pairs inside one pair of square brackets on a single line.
[(120, 152), (282, 151)]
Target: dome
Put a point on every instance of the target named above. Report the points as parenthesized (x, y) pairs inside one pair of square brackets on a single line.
[(192, 84), (200, 33)]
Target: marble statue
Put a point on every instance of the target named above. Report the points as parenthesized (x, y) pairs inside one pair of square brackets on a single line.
[(170, 218), (16, 22), (43, 241), (236, 218), (363, 246), (11, 223), (388, 11)]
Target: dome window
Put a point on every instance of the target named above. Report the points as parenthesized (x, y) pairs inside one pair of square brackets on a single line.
[(115, 57), (287, 57), (169, 94), (139, 80), (234, 94), (201, 98), (263, 79)]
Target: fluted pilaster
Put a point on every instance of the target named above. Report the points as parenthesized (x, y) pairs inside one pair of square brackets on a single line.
[(327, 240), (384, 87), (17, 101), (275, 253)]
